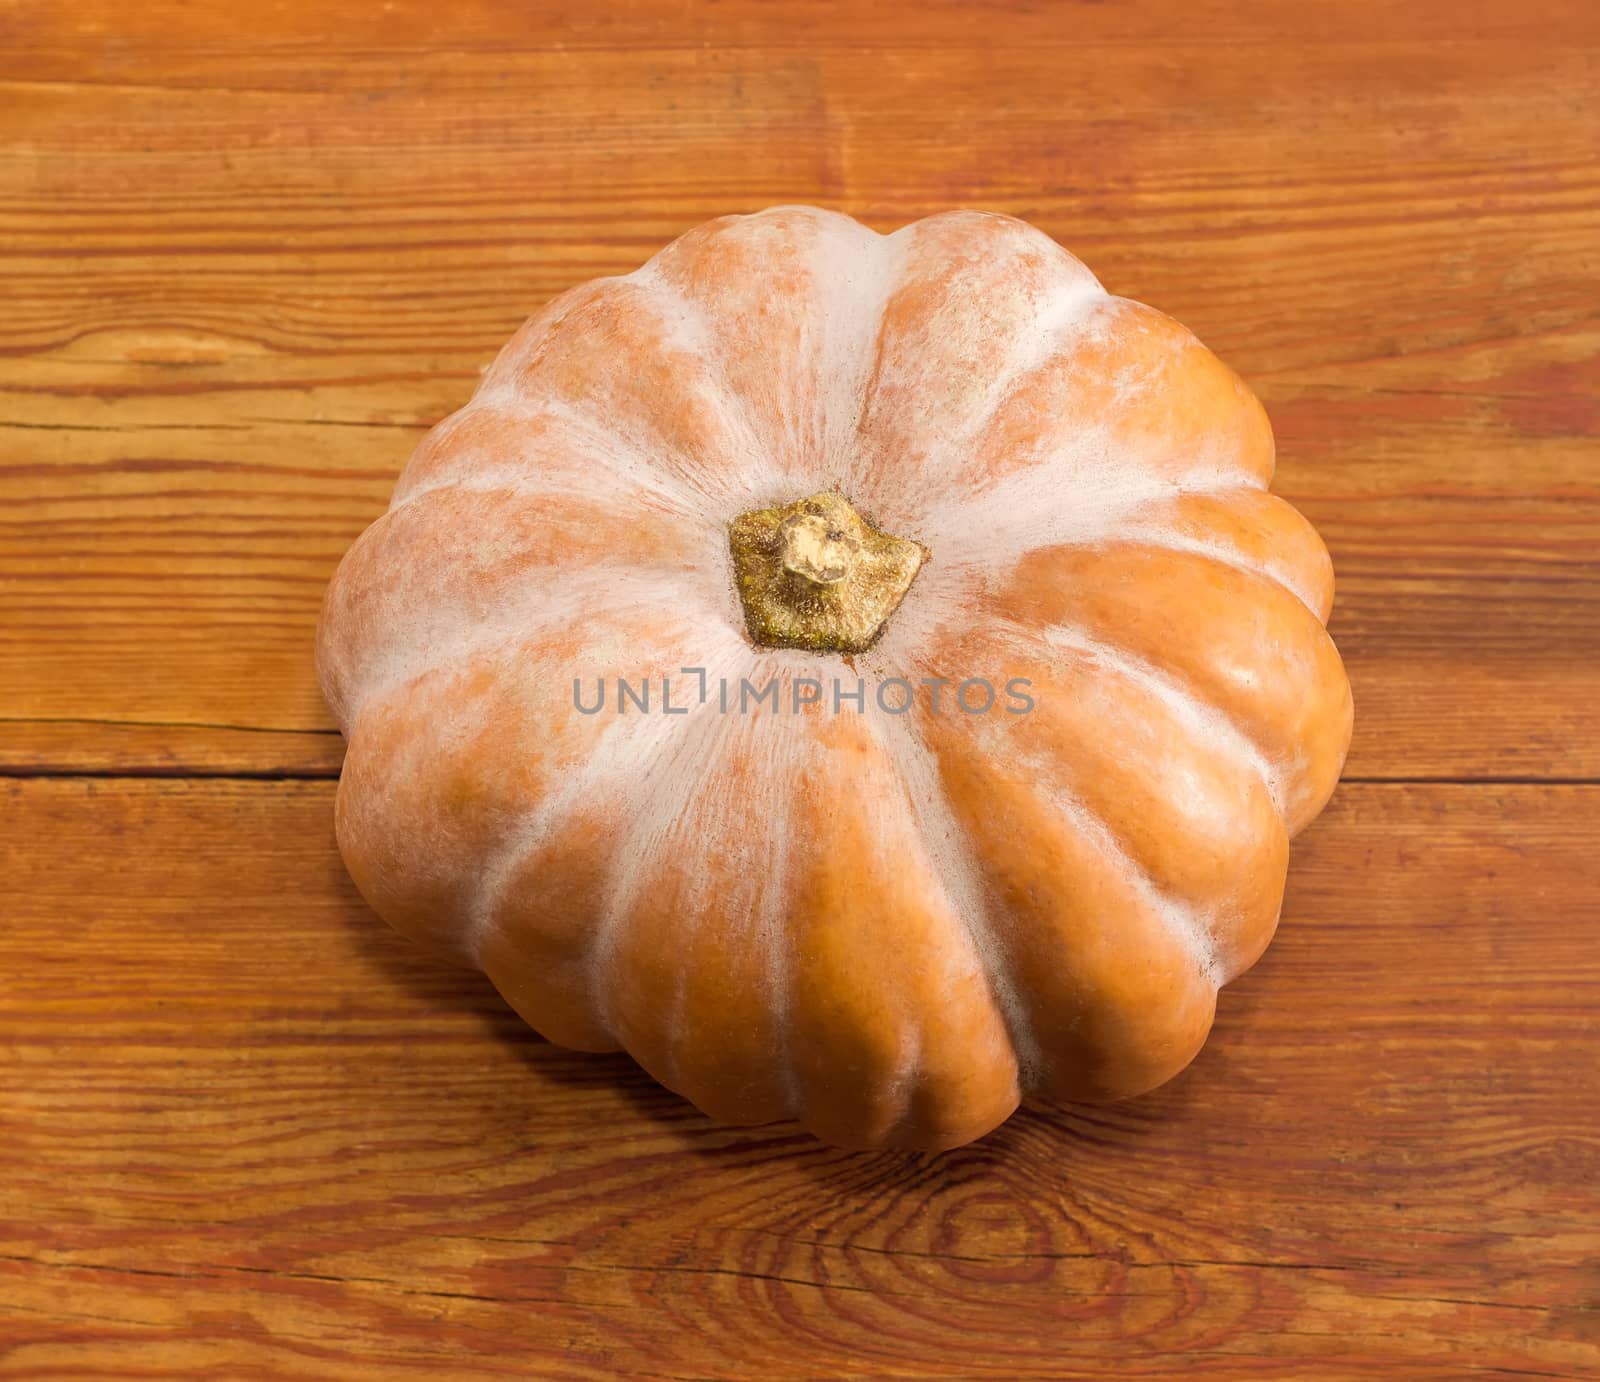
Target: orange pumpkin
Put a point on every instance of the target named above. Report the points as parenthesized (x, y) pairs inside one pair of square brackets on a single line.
[(961, 683)]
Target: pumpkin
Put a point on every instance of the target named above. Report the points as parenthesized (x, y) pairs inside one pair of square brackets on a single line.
[(865, 677)]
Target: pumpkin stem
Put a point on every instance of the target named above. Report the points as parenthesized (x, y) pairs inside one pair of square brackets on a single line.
[(815, 574), (810, 546)]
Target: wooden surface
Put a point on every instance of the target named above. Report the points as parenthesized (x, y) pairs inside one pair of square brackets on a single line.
[(249, 255)]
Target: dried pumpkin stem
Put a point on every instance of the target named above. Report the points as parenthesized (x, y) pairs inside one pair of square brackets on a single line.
[(815, 574)]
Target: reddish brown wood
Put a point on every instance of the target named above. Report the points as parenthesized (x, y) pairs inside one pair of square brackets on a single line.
[(248, 261), (249, 256), (247, 1127)]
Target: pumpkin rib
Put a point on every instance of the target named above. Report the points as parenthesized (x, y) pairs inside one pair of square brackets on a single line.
[(1251, 529), (577, 508), (1182, 924), (382, 787), (1102, 408), (960, 878), (1181, 918), (1213, 827), (1237, 637), (839, 461), (1066, 313), (1238, 926), (856, 475), (615, 589), (1074, 480), (642, 372), (622, 758), (1223, 556), (789, 335), (1202, 717), (620, 770), (993, 528), (638, 833), (937, 1098), (445, 459), (703, 336), (457, 568), (946, 851), (534, 949), (929, 351), (1107, 1026), (934, 1049), (599, 768), (429, 759), (535, 334)]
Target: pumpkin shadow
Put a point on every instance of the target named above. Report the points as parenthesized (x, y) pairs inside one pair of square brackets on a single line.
[(436, 985), (1064, 1135), (1071, 1133)]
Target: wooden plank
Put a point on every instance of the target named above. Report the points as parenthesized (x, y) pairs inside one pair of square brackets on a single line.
[(169, 37), (245, 1129), (249, 257), (247, 265), (234, 304)]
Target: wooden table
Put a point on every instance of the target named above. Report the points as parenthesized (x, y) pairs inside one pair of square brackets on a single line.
[(252, 252)]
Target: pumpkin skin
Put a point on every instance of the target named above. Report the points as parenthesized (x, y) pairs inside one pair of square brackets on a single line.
[(891, 927)]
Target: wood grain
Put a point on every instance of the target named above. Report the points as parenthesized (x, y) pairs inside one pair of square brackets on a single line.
[(248, 263), (250, 255), (1386, 1163)]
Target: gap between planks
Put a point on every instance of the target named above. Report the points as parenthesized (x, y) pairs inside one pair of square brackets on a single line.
[(172, 772)]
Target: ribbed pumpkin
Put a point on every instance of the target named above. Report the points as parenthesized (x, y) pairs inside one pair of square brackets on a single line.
[(887, 475)]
